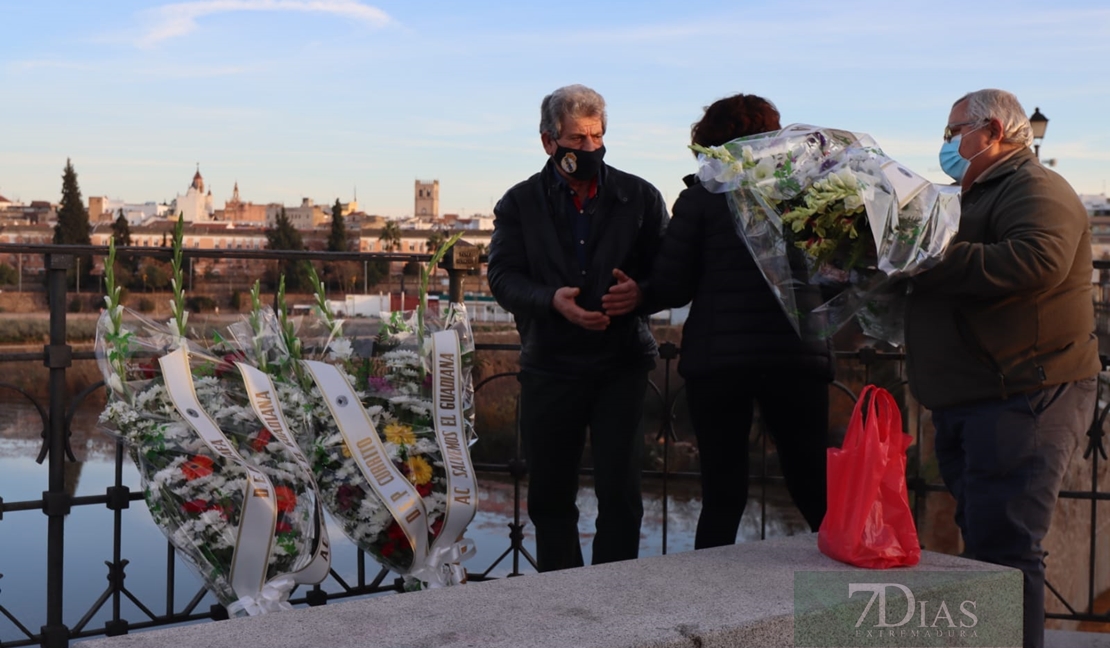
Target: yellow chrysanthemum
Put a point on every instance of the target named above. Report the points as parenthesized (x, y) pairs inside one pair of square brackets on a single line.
[(420, 471), (399, 434), (346, 452)]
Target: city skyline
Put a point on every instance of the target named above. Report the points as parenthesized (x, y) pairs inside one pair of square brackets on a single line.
[(323, 98)]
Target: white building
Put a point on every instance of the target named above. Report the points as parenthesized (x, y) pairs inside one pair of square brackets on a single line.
[(102, 208), (483, 222), (195, 205), (1096, 204)]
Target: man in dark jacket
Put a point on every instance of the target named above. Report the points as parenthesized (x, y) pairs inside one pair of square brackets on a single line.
[(571, 248), (1000, 340)]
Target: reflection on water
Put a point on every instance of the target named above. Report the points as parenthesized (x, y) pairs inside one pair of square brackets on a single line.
[(89, 529)]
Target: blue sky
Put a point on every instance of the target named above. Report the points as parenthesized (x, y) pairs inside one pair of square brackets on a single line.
[(318, 98)]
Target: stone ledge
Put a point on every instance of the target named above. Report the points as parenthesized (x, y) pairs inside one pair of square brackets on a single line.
[(740, 595), (1071, 639)]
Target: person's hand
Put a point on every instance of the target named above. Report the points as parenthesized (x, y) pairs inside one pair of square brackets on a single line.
[(564, 303), (623, 297)]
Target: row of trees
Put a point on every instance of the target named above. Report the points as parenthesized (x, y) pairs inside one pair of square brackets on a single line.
[(73, 228), (342, 275)]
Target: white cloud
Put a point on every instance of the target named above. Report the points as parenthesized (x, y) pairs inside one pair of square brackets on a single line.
[(180, 18)]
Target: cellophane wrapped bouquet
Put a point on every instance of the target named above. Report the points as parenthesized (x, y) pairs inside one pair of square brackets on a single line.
[(826, 208), (387, 433), (220, 473)]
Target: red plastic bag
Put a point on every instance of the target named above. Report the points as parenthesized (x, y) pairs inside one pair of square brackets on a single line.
[(869, 523)]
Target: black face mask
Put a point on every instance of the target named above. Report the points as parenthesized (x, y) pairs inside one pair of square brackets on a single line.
[(578, 164)]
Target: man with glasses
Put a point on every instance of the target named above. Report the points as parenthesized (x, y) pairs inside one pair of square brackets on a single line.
[(1000, 340), (571, 249)]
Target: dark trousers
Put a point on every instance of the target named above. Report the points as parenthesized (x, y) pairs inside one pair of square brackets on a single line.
[(1004, 462), (796, 415), (555, 414)]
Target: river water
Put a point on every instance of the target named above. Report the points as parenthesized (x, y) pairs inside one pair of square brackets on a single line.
[(88, 537)]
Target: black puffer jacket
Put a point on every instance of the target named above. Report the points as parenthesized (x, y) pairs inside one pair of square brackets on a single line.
[(735, 322), (532, 255)]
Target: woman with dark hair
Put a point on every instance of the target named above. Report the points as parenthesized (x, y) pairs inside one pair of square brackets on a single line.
[(738, 347)]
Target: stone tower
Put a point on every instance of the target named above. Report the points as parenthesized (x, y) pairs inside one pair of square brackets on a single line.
[(427, 199)]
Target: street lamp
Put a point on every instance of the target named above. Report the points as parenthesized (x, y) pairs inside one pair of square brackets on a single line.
[(1040, 124)]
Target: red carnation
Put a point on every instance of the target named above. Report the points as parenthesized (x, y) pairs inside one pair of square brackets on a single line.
[(286, 498), (260, 440), (195, 507), (197, 467), (395, 532)]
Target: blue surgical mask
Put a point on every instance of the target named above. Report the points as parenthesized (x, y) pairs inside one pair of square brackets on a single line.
[(951, 162)]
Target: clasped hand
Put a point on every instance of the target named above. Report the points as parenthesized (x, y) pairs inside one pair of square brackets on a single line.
[(623, 298)]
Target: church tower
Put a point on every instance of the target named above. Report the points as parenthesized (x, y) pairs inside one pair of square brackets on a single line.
[(427, 199), (195, 206)]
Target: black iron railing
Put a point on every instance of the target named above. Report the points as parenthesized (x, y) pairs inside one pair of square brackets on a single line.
[(64, 624)]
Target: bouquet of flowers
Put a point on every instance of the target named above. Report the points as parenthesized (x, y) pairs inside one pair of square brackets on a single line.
[(387, 435), (820, 207), (221, 475), (418, 382)]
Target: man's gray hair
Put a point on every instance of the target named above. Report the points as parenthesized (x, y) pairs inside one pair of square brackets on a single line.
[(1003, 106), (573, 101)]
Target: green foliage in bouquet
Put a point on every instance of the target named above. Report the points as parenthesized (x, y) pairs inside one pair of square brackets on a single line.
[(825, 217), (832, 223), (829, 221)]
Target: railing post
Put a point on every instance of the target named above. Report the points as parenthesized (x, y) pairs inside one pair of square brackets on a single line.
[(459, 260), (668, 352), (57, 355)]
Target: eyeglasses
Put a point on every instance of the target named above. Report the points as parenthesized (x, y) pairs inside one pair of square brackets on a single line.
[(953, 130)]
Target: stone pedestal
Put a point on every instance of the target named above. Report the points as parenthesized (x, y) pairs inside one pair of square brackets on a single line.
[(742, 595)]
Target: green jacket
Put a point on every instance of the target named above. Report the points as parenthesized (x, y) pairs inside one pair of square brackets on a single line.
[(1009, 310)]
